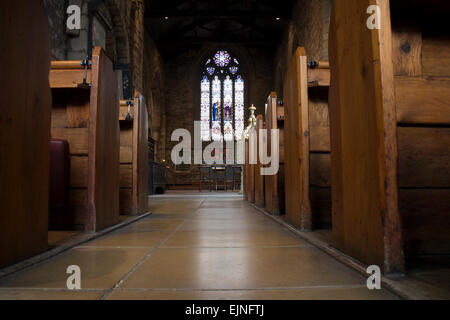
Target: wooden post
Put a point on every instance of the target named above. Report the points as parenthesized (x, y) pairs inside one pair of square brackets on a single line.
[(246, 169), (104, 146), (366, 221), (134, 156), (140, 156), (250, 178), (274, 187), (259, 179), (296, 137)]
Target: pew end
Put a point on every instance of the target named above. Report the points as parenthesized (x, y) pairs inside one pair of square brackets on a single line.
[(274, 184), (24, 131), (398, 185), (84, 113), (259, 178), (134, 160), (307, 143)]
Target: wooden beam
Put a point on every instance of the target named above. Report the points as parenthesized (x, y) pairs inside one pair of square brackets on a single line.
[(212, 40), (318, 77), (224, 15), (422, 100), (201, 41)]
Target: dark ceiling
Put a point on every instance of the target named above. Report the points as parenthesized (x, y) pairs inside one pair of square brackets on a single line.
[(177, 25)]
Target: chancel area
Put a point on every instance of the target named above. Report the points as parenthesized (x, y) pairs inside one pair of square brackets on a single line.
[(238, 150)]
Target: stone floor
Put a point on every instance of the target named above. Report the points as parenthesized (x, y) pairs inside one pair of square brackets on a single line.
[(201, 246)]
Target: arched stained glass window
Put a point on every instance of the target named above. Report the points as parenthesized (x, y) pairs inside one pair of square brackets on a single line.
[(222, 98)]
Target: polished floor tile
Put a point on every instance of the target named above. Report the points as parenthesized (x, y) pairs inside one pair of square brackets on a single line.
[(156, 224), (194, 246), (228, 224), (233, 238), (226, 211), (167, 216), (225, 204), (101, 268), (185, 206), (130, 237), (319, 293), (244, 218), (223, 213), (49, 295), (240, 268)]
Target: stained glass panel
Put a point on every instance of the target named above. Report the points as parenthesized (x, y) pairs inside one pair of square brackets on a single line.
[(239, 107), (216, 109), (234, 70), (222, 58), (228, 109), (205, 112), (211, 70)]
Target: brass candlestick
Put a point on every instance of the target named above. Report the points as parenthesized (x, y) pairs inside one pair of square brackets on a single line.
[(251, 122)]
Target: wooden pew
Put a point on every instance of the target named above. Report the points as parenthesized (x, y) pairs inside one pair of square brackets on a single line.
[(133, 156), (85, 112), (307, 143), (259, 179), (274, 185), (24, 130), (390, 131)]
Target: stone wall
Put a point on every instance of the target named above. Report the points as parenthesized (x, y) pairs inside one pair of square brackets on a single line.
[(154, 90), (56, 10), (124, 42), (309, 28)]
